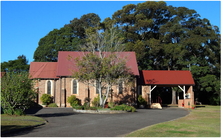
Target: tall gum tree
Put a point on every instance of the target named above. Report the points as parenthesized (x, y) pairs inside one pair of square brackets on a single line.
[(101, 66), (66, 38), (171, 38)]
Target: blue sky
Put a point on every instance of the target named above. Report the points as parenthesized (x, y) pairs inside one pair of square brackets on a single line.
[(24, 23)]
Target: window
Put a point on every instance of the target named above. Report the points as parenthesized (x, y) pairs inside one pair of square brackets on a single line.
[(74, 86), (49, 87), (139, 90), (120, 88)]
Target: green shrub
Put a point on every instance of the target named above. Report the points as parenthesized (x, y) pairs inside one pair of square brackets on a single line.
[(52, 105), (8, 111), (133, 109), (96, 101), (92, 108), (141, 100), (73, 100), (124, 107), (17, 91), (45, 99), (111, 104), (79, 107), (19, 112)]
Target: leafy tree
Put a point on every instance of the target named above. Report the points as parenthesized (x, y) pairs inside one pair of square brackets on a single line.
[(18, 65), (45, 99), (56, 40), (170, 38), (17, 92), (67, 38), (99, 67)]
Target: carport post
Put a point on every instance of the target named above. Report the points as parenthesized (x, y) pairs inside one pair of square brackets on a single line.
[(183, 91), (151, 91)]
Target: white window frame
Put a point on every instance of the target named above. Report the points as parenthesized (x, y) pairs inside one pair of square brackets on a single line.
[(72, 87), (46, 87)]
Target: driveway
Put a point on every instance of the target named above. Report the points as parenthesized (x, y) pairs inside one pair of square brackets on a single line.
[(63, 122)]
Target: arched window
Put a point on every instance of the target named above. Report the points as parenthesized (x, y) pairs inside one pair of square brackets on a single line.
[(120, 91), (139, 90), (74, 86), (49, 87)]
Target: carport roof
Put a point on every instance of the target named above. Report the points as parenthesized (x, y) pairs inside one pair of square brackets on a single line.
[(164, 77)]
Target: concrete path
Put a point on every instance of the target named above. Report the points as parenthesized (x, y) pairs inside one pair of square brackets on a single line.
[(63, 122)]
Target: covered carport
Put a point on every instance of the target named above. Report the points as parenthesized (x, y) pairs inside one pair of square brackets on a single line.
[(150, 79)]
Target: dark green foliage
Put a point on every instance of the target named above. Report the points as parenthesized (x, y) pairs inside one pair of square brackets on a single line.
[(18, 65), (19, 112), (111, 104), (67, 38), (141, 100), (124, 107), (96, 101), (92, 108), (17, 92), (73, 100), (52, 105), (87, 101), (173, 38), (86, 106), (45, 99), (78, 107), (163, 38), (8, 111)]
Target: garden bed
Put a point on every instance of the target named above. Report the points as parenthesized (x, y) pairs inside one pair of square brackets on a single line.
[(105, 111)]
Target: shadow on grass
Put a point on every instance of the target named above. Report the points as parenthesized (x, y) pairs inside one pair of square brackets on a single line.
[(5, 128), (14, 130), (200, 106)]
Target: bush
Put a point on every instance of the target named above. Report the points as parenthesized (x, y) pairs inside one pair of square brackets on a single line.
[(78, 107), (73, 100), (8, 111), (92, 108), (141, 100), (17, 92), (45, 99), (96, 101), (124, 107), (19, 112), (52, 105), (111, 104)]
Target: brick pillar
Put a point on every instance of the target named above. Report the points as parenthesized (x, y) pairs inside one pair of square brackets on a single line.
[(146, 93)]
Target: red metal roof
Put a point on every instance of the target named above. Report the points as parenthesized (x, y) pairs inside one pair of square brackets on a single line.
[(66, 67), (43, 70), (164, 77)]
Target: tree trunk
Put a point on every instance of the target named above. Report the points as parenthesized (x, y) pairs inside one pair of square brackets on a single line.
[(173, 96)]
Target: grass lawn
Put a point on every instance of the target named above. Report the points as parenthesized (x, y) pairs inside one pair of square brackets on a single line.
[(16, 122), (201, 122)]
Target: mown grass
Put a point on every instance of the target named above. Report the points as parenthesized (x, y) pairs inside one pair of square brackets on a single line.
[(9, 123), (201, 122)]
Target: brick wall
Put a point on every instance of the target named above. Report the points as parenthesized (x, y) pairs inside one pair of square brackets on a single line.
[(62, 89), (187, 102)]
